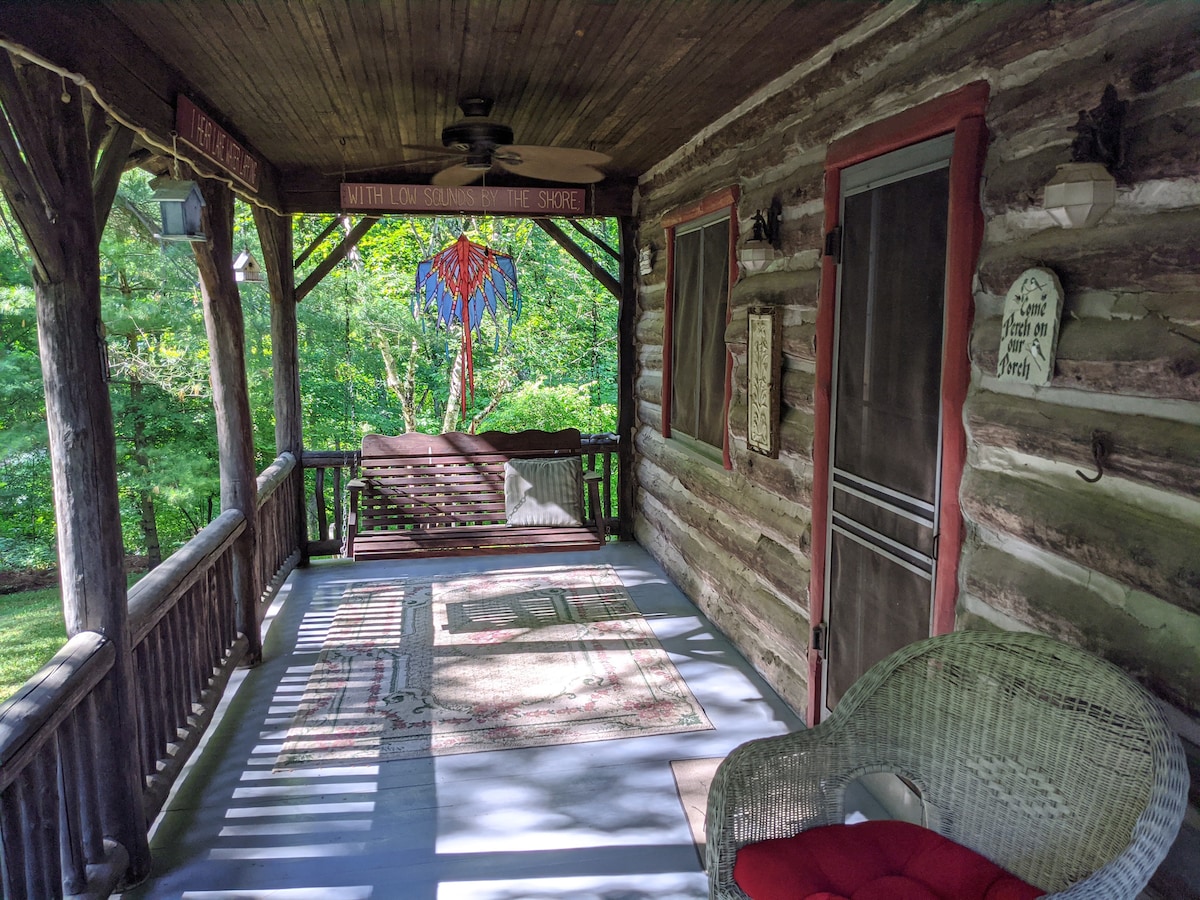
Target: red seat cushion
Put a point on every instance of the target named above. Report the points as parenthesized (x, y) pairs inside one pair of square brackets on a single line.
[(873, 861)]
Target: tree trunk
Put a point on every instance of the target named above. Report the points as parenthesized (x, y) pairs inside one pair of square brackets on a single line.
[(454, 401), (408, 402), (149, 523)]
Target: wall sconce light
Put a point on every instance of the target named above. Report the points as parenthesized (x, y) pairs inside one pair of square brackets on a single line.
[(180, 203), (762, 248), (1083, 190), (246, 268)]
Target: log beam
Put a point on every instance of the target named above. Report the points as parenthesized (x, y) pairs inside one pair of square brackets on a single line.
[(231, 397), (349, 242), (52, 139), (597, 271), (114, 152)]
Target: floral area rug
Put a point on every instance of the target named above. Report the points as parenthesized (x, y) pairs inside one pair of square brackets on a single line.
[(458, 664)]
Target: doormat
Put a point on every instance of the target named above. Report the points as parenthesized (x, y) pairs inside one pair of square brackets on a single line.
[(418, 667), (693, 777)]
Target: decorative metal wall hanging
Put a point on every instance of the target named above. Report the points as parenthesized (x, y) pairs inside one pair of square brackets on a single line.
[(764, 360), (462, 283)]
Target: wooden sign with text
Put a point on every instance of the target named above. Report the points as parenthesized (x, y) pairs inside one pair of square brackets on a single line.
[(428, 198), (1029, 329), (196, 128)]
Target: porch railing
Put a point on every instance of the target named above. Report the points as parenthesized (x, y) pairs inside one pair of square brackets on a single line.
[(56, 783), (328, 471)]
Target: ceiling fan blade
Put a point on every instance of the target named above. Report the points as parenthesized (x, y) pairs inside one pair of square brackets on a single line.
[(568, 173), (431, 150), (537, 153), (457, 176)]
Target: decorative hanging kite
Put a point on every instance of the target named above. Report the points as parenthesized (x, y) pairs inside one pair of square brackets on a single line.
[(462, 283)]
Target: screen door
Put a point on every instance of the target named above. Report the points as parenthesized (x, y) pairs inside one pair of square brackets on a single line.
[(886, 425)]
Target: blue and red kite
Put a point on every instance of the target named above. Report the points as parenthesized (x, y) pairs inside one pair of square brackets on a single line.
[(462, 283)]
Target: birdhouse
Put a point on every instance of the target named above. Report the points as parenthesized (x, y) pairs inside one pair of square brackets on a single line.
[(180, 203), (246, 267)]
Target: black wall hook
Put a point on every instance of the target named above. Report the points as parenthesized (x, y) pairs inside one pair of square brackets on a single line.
[(1101, 448)]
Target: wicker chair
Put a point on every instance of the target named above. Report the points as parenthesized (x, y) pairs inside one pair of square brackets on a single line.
[(1050, 762)]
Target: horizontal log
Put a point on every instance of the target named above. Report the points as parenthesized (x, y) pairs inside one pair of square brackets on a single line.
[(1148, 253), (1157, 452), (1146, 357), (798, 339), (31, 717), (1152, 640), (274, 475), (780, 288), (739, 546), (155, 595), (796, 390), (652, 295), (1094, 526), (771, 635), (795, 439), (649, 328), (330, 459), (779, 513), (649, 386), (328, 547)]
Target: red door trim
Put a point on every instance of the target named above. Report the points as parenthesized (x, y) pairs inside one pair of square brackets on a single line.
[(962, 113)]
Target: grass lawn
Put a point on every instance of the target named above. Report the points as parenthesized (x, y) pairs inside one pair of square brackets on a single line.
[(31, 631)]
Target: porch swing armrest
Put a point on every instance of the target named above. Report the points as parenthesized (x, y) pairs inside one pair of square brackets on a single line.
[(591, 481), (355, 487)]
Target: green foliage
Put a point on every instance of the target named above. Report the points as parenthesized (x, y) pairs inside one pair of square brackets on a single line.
[(536, 405), (32, 630), (358, 334)]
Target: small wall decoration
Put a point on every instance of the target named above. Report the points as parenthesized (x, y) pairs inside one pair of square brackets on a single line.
[(1029, 332), (763, 363)]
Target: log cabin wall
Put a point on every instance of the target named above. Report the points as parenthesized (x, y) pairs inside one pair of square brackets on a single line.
[(1112, 566)]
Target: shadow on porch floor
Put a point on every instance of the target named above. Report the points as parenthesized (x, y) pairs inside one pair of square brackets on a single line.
[(588, 821)]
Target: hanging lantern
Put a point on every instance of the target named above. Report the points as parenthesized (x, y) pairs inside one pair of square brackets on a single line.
[(1079, 194), (246, 268), (180, 203)]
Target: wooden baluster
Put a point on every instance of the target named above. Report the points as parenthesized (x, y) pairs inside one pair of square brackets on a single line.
[(71, 793), (337, 502), (606, 486), (322, 517), (41, 802), (92, 828), (16, 870)]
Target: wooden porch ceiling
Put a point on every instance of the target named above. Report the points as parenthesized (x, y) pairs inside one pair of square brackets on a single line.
[(318, 88)]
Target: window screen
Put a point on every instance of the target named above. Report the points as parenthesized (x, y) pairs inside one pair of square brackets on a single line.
[(701, 294)]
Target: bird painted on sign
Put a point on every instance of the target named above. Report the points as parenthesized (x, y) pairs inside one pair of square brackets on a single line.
[(1035, 351)]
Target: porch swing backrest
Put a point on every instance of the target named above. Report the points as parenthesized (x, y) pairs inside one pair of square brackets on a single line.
[(444, 495)]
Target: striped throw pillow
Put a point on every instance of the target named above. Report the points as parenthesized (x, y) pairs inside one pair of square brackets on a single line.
[(543, 491)]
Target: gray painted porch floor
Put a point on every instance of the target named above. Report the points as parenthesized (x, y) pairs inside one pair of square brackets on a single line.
[(590, 821)]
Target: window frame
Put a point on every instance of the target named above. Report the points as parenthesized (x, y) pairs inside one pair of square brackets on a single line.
[(714, 207)]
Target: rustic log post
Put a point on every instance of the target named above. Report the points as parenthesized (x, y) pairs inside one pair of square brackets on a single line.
[(275, 237), (231, 397), (626, 377), (46, 174)]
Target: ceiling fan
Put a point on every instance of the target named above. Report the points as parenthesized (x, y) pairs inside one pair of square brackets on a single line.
[(486, 144)]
